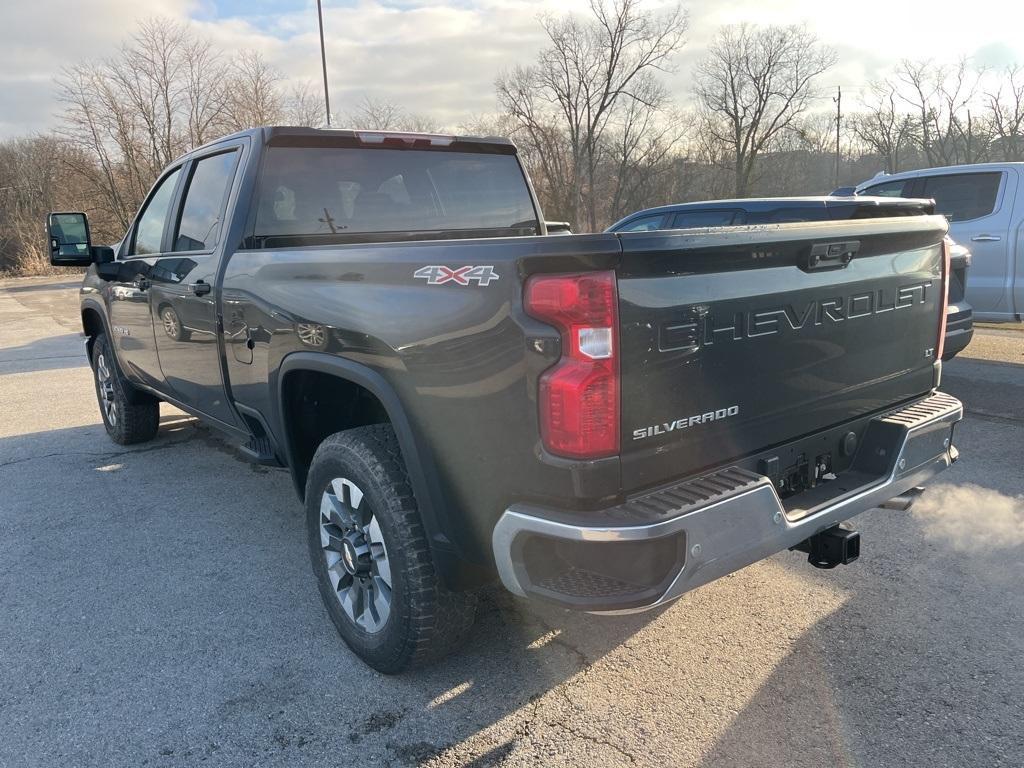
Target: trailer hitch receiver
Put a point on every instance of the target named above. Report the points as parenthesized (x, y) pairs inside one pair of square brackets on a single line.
[(838, 545)]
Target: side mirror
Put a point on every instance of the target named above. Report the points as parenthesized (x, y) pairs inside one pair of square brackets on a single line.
[(68, 235), (558, 227)]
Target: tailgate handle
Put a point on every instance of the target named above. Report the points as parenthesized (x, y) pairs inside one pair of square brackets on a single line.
[(831, 255)]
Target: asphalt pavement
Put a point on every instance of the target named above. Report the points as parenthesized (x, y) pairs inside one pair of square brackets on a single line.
[(157, 608)]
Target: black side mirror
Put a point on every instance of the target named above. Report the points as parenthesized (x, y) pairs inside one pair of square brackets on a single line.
[(68, 235)]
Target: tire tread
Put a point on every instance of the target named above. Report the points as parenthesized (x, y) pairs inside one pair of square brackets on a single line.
[(437, 618)]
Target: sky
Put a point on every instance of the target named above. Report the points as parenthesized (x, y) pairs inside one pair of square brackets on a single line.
[(441, 59)]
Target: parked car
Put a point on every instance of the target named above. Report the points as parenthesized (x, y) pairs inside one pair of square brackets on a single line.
[(725, 213), (984, 204), (460, 397)]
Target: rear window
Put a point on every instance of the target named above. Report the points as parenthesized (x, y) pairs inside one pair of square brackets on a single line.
[(332, 194)]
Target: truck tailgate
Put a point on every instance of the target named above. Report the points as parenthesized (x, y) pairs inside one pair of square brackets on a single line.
[(735, 340)]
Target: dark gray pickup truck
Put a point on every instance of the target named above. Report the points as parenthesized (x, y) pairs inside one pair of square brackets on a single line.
[(601, 421)]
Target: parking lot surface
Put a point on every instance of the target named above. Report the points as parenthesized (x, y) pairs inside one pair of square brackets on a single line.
[(157, 608)]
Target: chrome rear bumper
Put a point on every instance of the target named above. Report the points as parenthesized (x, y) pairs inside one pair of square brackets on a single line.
[(710, 526)]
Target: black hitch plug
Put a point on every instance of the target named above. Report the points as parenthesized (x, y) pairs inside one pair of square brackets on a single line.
[(838, 545)]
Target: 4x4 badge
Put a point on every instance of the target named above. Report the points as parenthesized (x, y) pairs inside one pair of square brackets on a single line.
[(439, 275)]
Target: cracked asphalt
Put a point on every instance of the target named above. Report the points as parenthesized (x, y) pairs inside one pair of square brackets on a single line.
[(157, 609)]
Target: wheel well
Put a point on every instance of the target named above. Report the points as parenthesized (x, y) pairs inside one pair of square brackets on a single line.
[(315, 405), (92, 325)]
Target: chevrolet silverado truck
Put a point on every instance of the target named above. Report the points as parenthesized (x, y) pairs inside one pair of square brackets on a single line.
[(602, 421)]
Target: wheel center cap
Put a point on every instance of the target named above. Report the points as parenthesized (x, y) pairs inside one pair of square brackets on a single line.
[(355, 553)]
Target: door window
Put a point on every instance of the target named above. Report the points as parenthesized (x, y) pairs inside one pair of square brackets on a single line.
[(789, 215), (887, 189), (694, 219), (149, 232), (643, 224), (963, 196), (201, 214)]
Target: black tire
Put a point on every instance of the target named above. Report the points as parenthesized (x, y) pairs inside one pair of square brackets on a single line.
[(130, 416), (425, 621)]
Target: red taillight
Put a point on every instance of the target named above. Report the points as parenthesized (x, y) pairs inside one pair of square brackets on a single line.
[(944, 300), (579, 395)]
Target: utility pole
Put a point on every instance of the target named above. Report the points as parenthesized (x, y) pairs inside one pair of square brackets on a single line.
[(839, 117), (323, 60)]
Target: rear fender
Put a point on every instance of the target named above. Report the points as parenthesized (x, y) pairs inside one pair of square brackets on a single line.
[(448, 556)]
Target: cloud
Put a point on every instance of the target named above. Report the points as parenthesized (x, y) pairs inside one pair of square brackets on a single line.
[(441, 58), (40, 37), (971, 518)]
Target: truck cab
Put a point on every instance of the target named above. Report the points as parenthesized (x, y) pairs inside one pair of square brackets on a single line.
[(984, 204)]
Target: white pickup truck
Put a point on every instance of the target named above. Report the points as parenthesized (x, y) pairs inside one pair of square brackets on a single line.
[(985, 207)]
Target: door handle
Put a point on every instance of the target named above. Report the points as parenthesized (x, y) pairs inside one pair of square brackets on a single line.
[(986, 238), (199, 288)]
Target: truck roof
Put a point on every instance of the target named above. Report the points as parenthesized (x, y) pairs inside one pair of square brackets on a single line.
[(942, 170), (286, 135), (768, 204)]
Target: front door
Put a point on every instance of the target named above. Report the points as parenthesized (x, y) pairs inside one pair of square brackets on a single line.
[(182, 296), (127, 292)]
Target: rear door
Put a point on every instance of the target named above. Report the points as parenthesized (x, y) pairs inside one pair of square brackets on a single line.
[(732, 342), (979, 207), (182, 299)]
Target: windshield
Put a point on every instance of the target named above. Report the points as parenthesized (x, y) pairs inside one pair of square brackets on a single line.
[(334, 193)]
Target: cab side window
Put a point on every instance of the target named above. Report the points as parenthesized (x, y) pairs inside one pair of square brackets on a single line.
[(149, 231), (963, 196), (200, 223), (644, 224), (888, 189), (697, 219)]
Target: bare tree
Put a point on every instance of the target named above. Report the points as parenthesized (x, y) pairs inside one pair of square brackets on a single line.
[(883, 127), (377, 114), (162, 93), (1007, 113), (543, 142), (253, 92), (589, 68), (373, 114), (752, 85), (946, 132), (304, 105), (640, 142), (206, 90), (34, 180)]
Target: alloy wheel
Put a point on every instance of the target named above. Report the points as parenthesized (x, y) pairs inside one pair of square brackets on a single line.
[(170, 323), (355, 555), (105, 379)]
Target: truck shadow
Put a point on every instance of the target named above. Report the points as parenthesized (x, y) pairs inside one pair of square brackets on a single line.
[(168, 609)]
